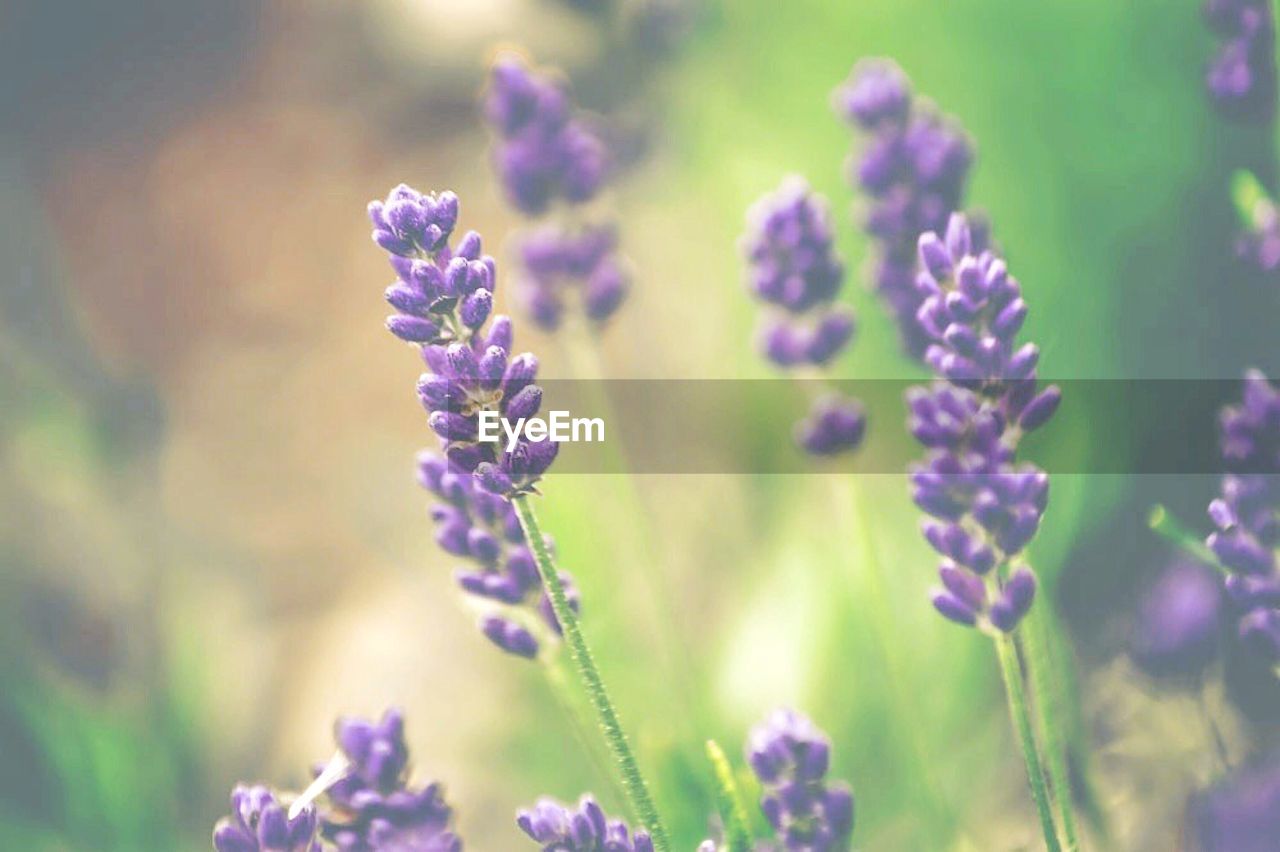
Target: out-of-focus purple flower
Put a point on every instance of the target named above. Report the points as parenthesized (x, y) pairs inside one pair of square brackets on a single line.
[(373, 807), (1241, 78), (835, 424), (790, 756), (584, 828), (482, 527), (1259, 245), (259, 823), (1247, 514), (985, 506), (792, 267), (559, 263), (545, 151), (913, 169), (1179, 622), (1241, 814)]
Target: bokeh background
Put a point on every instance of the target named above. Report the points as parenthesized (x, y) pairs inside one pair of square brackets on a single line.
[(211, 543)]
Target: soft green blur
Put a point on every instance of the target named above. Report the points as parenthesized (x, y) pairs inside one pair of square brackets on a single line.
[(210, 541)]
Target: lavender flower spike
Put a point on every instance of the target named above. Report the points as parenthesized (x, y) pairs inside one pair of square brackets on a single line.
[(794, 270), (561, 828), (986, 507), (1247, 515), (790, 757), (259, 823), (547, 152), (444, 295), (913, 169)]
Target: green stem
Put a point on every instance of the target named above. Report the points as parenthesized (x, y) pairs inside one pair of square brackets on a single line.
[(1021, 717), (733, 809), (1048, 702), (632, 781), (1172, 530)]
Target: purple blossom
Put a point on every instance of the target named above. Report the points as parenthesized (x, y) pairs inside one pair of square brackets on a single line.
[(559, 263), (585, 828), (373, 807), (367, 805), (482, 527), (913, 169), (1240, 814), (794, 270), (260, 823), (985, 505), (1178, 622), (790, 757), (1259, 245), (545, 151), (444, 298), (1247, 514), (1241, 77)]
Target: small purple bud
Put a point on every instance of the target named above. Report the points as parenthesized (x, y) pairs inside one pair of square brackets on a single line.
[(412, 329), (475, 308), (1042, 407), (453, 426), (525, 404)]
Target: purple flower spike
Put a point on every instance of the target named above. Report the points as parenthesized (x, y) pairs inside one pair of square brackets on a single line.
[(1241, 77), (445, 294), (913, 169), (259, 823), (790, 756), (585, 828), (986, 506), (793, 269), (1247, 515), (544, 152)]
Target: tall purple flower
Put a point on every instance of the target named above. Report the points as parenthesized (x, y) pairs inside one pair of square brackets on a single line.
[(1247, 514), (443, 296), (794, 270), (373, 807), (584, 828), (546, 153), (260, 823), (1241, 78), (790, 756), (985, 506), (913, 169)]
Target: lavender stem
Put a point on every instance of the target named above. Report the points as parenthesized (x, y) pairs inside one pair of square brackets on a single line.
[(1048, 702), (632, 781), (1019, 713), (1173, 531)]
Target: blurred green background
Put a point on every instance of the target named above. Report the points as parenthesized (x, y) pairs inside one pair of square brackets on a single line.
[(210, 540)]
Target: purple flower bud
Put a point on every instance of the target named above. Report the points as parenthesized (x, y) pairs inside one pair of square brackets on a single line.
[(453, 426), (412, 329), (475, 308), (953, 609), (525, 404), (1041, 408), (509, 636), (1014, 601)]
